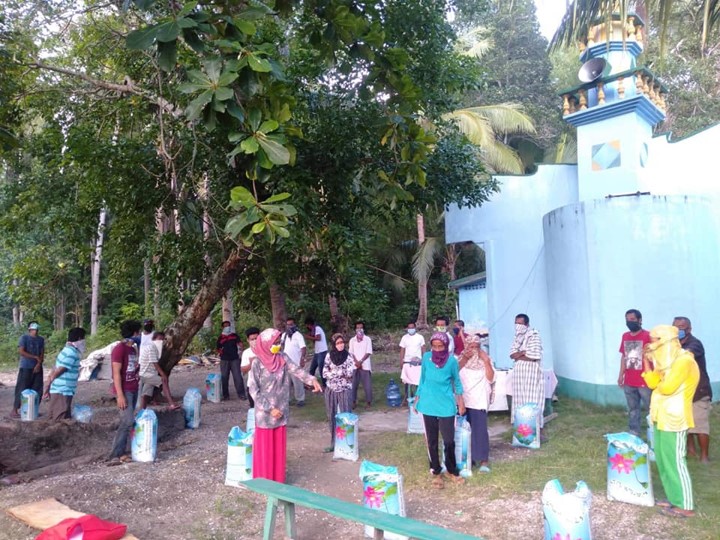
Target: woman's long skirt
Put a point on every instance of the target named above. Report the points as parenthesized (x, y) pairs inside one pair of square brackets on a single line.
[(269, 453)]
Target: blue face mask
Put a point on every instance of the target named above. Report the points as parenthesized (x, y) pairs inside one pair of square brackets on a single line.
[(681, 334), (411, 331)]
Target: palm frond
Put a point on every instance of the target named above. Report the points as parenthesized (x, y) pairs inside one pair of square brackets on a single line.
[(505, 118), (579, 17), (501, 158), (475, 127), (424, 259)]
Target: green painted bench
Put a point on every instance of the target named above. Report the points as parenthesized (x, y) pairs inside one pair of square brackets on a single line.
[(287, 497)]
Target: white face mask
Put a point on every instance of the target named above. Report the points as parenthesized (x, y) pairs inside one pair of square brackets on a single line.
[(80, 346), (227, 330), (520, 328), (411, 331)]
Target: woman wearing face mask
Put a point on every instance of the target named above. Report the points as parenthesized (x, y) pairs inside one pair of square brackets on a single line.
[(338, 372), (62, 382), (269, 385), (438, 396), (477, 374)]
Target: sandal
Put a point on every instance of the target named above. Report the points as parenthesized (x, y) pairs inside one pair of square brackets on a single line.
[(458, 479), (125, 458), (113, 462), (677, 512), (484, 469), (663, 503)]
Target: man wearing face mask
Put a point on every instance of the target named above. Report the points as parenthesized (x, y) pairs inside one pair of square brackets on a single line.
[(673, 376), (249, 356), (412, 348), (146, 337), (528, 382), (637, 394), (152, 376), (441, 325), (360, 349), (62, 382), (459, 337), (229, 347), (293, 345), (703, 395)]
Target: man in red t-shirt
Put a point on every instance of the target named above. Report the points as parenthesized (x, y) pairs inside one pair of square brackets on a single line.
[(459, 337), (630, 379), (126, 383)]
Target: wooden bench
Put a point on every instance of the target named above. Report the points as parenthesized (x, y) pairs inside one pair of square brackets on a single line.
[(286, 496)]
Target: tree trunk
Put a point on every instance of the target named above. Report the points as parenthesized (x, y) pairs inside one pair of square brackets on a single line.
[(422, 322), (277, 302), (16, 311), (338, 322), (228, 310), (204, 194), (183, 329), (95, 271), (59, 323), (146, 286)]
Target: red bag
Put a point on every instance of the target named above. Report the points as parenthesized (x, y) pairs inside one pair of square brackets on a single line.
[(87, 527)]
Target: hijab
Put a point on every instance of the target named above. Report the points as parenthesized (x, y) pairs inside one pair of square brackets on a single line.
[(440, 358), (337, 357), (265, 340), (666, 347)]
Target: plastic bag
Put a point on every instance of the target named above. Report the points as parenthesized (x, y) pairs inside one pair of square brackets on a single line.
[(239, 456), (82, 413), (346, 437), (191, 408), (29, 401), (526, 429), (463, 454), (144, 437), (250, 423), (651, 438), (628, 470), (566, 515), (213, 390), (415, 419), (383, 491)]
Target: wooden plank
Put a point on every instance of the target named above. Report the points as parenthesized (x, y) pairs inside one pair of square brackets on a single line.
[(353, 512), (270, 512), (46, 513), (290, 520)]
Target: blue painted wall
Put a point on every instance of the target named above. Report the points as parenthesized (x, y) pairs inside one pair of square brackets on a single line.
[(473, 307)]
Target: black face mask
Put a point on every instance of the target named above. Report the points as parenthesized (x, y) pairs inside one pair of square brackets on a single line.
[(633, 326), (291, 330)]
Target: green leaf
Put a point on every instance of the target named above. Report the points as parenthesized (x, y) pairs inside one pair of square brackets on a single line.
[(227, 78), (276, 152), (235, 136), (212, 69), (279, 209), (139, 40), (224, 93), (144, 4), (242, 195), (246, 27), (187, 9), (258, 11), (258, 64), (277, 198), (186, 22), (167, 56), (168, 31), (249, 145), (255, 116), (268, 126), (258, 227), (196, 106), (235, 111), (281, 231)]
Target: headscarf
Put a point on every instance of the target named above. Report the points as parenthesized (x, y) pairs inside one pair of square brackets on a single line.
[(665, 350), (265, 340), (337, 357), (439, 358), (470, 357)]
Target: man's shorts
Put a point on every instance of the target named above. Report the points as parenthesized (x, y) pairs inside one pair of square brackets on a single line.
[(701, 414), (60, 407), (149, 383)]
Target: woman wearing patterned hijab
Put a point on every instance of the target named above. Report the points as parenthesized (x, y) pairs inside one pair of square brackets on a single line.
[(338, 372), (477, 374), (269, 385), (438, 396)]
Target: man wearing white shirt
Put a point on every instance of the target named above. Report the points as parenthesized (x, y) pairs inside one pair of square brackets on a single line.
[(294, 349), (316, 334), (360, 349), (441, 325), (412, 347), (248, 356)]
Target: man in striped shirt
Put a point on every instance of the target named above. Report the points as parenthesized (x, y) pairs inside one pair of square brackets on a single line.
[(528, 382), (62, 383)]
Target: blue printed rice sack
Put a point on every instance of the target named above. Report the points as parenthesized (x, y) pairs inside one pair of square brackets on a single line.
[(239, 457), (82, 413), (143, 447), (346, 437), (566, 515), (250, 424), (191, 408), (415, 419), (213, 390), (29, 401), (383, 491), (526, 429), (628, 470), (463, 451)]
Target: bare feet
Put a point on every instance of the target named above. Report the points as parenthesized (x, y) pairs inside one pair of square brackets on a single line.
[(437, 482)]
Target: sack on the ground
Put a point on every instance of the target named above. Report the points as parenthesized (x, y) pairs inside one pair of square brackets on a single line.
[(144, 437), (82, 413), (382, 490), (346, 437), (628, 470), (239, 457), (526, 429), (415, 419), (566, 515), (29, 405), (191, 407), (651, 438), (463, 451), (87, 527), (213, 391), (250, 423)]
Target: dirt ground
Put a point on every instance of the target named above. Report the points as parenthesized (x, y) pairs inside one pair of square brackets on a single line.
[(182, 494)]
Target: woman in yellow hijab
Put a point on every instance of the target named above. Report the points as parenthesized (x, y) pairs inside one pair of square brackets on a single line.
[(673, 375)]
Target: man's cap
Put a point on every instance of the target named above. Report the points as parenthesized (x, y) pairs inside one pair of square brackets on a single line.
[(34, 326)]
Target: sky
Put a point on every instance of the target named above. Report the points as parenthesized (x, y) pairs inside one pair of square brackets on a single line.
[(549, 14)]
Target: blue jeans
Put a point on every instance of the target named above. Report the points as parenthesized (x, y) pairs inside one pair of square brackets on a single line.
[(127, 421), (318, 362), (638, 402)]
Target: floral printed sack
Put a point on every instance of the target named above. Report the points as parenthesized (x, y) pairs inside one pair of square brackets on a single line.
[(415, 419), (628, 470), (212, 387), (191, 407), (239, 457), (143, 447), (383, 491), (566, 515), (526, 430), (463, 454), (346, 440)]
